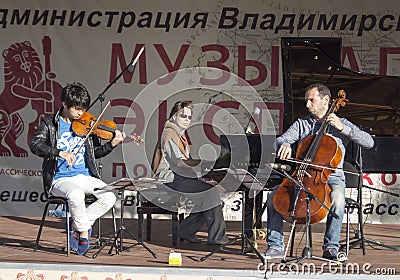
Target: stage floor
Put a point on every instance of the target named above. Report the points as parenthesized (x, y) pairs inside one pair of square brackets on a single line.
[(17, 236)]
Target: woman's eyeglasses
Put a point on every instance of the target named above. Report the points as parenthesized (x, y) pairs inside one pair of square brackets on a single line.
[(184, 116)]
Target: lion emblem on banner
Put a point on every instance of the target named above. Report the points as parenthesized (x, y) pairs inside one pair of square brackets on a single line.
[(25, 83)]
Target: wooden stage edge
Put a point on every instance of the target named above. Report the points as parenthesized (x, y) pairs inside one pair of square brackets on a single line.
[(17, 259)]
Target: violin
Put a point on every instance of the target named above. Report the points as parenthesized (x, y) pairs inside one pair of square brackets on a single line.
[(88, 124), (316, 152)]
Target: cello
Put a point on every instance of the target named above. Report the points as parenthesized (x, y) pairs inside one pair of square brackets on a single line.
[(315, 152)]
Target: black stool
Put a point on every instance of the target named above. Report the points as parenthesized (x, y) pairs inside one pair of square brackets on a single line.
[(149, 208)]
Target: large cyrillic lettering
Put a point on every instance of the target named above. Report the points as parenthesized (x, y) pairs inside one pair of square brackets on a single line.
[(110, 16), (37, 17), (91, 21), (381, 209), (246, 19), (352, 22), (325, 25), (162, 116), (145, 20), (366, 178), (18, 19), (382, 25), (290, 26), (5, 195), (209, 116), (390, 209), (19, 196), (200, 18), (398, 24), (3, 20), (368, 209), (127, 20), (268, 23), (33, 196), (364, 26), (55, 17), (275, 66), (43, 197), (349, 55), (172, 68), (129, 200), (231, 18), (304, 21), (179, 20), (391, 181), (243, 63), (217, 64), (117, 55), (383, 57), (78, 18), (137, 122), (117, 165), (139, 170), (166, 24)]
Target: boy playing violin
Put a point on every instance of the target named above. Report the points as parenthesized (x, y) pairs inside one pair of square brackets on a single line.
[(69, 168)]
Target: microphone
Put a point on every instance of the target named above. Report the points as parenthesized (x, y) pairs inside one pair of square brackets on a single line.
[(255, 115), (278, 166), (131, 66)]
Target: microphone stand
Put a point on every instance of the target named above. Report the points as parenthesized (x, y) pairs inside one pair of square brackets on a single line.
[(101, 98), (359, 235), (247, 129), (242, 236), (129, 68), (307, 250)]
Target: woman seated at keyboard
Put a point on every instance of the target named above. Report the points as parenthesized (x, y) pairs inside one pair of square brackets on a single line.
[(172, 163)]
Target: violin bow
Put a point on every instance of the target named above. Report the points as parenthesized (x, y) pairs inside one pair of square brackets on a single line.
[(321, 166)]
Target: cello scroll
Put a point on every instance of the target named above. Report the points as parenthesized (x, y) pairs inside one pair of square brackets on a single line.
[(341, 100)]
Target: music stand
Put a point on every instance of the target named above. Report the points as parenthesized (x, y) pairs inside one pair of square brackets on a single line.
[(359, 238), (131, 185), (248, 180)]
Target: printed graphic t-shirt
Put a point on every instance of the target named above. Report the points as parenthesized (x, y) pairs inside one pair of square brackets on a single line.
[(68, 141)]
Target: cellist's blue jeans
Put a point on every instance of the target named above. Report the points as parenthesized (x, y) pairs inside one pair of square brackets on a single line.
[(333, 225)]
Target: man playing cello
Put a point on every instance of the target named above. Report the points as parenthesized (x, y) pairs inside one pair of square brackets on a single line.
[(317, 97)]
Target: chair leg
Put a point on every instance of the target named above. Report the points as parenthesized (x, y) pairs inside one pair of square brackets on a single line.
[(140, 225), (114, 221), (41, 227), (148, 227), (67, 217), (174, 229), (181, 217), (46, 207), (361, 228), (347, 230)]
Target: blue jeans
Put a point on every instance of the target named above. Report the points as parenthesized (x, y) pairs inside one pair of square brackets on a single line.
[(333, 225)]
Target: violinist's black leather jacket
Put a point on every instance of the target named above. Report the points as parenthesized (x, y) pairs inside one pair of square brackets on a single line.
[(44, 144)]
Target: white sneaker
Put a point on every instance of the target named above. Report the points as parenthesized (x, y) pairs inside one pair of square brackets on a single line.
[(272, 253)]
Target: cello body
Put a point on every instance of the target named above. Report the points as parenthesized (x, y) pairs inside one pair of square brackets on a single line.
[(315, 179)]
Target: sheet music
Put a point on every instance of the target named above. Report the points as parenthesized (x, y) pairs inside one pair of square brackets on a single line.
[(133, 184), (241, 175)]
